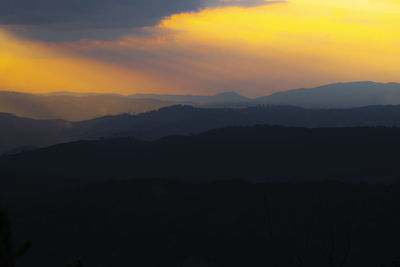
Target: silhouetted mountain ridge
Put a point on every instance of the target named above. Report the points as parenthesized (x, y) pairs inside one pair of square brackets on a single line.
[(258, 152), (17, 134), (183, 120)]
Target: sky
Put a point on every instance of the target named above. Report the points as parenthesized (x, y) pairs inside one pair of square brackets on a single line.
[(204, 47)]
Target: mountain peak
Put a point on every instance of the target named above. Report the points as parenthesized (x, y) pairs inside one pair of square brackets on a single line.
[(229, 93), (230, 96), (338, 95)]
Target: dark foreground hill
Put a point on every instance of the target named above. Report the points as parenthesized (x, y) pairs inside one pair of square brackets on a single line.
[(225, 224), (256, 153), (167, 212), (19, 134)]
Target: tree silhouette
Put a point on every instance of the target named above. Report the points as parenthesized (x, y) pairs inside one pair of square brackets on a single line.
[(79, 264), (7, 256)]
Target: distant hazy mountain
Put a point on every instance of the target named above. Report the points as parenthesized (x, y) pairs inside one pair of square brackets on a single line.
[(260, 152), (228, 97), (19, 134), (73, 107), (339, 95), (66, 93), (77, 107)]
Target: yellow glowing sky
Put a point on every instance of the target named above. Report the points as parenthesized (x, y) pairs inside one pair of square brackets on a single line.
[(254, 51)]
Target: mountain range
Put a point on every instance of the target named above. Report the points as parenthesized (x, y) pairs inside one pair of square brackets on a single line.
[(338, 95), (308, 177), (73, 107), (260, 152), (20, 134), (227, 97), (78, 107)]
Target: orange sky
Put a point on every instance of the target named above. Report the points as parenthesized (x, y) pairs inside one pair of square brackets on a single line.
[(254, 51)]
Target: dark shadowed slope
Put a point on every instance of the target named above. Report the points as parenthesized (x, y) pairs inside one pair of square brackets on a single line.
[(260, 152), (227, 224), (20, 133), (339, 95), (176, 120), (183, 120)]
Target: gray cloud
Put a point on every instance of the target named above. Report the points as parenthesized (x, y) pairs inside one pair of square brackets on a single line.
[(62, 20), (90, 13), (241, 3)]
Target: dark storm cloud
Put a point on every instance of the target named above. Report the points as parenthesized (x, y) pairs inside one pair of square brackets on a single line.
[(91, 13), (64, 20)]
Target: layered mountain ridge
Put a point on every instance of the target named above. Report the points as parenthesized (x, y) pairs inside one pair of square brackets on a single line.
[(84, 106)]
